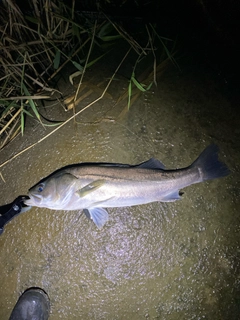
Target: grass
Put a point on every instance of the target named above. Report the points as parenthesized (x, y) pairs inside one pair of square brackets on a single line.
[(37, 43)]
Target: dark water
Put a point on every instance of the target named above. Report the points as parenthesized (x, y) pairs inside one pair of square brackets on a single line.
[(159, 261)]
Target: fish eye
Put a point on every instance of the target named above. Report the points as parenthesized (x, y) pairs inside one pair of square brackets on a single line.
[(40, 188)]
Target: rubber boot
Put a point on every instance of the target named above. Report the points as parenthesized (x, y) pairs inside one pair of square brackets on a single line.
[(33, 304)]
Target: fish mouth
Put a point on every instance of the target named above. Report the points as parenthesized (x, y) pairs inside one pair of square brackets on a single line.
[(34, 199)]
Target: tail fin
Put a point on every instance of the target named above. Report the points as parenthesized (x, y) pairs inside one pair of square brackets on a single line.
[(208, 164)]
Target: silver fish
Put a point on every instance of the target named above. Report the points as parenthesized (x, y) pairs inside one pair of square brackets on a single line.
[(92, 186)]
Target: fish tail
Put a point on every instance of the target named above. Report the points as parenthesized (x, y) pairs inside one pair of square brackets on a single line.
[(208, 164)]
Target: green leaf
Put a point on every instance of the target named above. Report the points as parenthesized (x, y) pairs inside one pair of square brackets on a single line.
[(149, 86), (137, 84), (140, 86), (171, 58), (104, 33), (129, 93), (75, 32), (8, 105), (106, 29), (23, 72), (52, 124), (31, 102), (22, 122), (95, 60), (56, 61), (27, 112), (32, 19), (111, 38), (77, 65)]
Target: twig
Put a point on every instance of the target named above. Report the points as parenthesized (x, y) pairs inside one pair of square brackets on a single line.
[(27, 97), (10, 121), (9, 136), (85, 65), (154, 56)]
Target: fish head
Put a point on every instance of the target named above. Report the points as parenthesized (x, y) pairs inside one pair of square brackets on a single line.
[(52, 192)]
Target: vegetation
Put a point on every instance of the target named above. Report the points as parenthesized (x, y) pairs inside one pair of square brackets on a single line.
[(40, 38)]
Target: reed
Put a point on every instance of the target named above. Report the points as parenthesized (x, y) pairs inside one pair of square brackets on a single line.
[(37, 41)]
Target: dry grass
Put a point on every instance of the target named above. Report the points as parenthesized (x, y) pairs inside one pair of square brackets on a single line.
[(36, 45)]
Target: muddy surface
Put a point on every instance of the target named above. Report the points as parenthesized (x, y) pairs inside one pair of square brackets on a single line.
[(160, 261)]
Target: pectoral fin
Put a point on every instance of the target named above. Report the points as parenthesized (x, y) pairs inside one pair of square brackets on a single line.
[(90, 187), (98, 215)]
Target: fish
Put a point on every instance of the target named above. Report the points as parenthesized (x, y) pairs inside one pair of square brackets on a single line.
[(92, 187)]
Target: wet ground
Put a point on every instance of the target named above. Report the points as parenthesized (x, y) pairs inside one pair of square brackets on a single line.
[(160, 261)]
